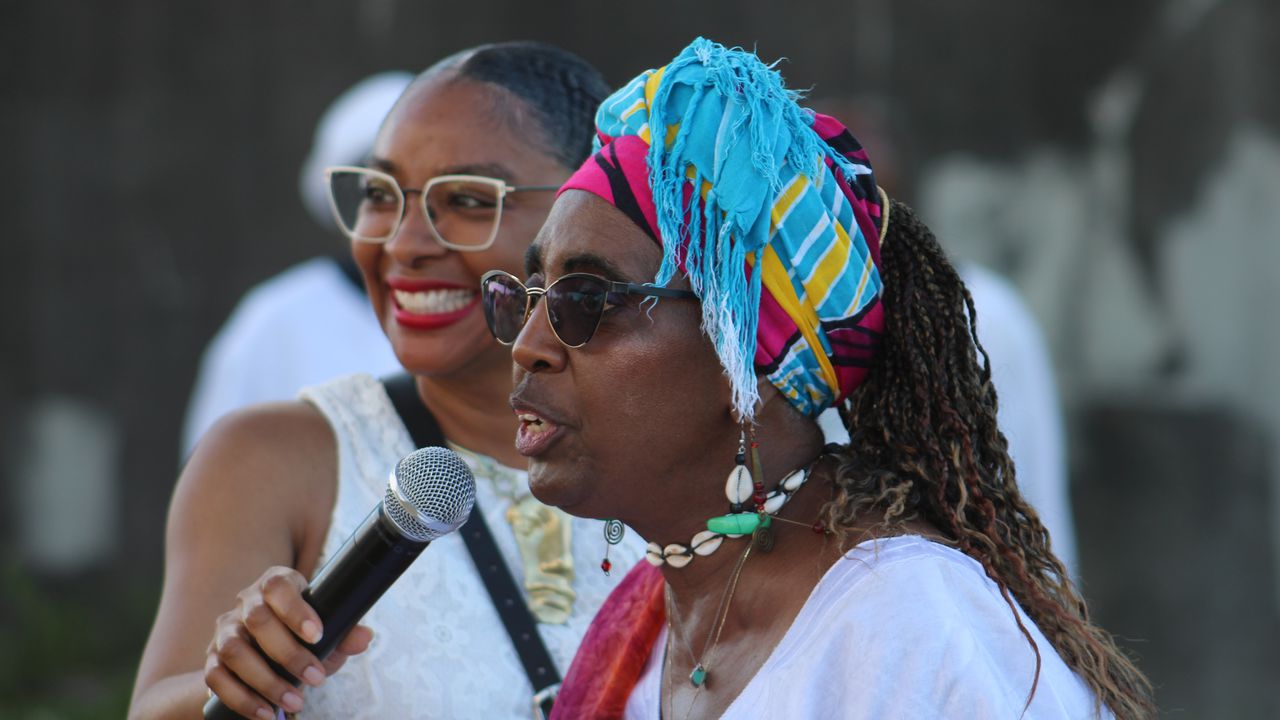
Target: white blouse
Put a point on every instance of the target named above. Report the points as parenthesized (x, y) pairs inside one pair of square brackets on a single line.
[(900, 628)]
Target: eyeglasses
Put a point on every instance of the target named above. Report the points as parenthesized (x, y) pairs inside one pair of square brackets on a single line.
[(463, 211), (575, 304)]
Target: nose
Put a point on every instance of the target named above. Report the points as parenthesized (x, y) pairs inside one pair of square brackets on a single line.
[(536, 348), (413, 240)]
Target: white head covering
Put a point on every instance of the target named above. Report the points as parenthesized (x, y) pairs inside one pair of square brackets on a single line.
[(345, 135)]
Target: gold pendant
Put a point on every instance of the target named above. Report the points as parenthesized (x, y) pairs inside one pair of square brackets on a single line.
[(544, 538)]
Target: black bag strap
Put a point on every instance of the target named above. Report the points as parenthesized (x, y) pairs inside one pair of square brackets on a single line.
[(506, 597)]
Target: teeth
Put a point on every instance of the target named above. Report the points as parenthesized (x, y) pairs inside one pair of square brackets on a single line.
[(433, 302), (533, 423)]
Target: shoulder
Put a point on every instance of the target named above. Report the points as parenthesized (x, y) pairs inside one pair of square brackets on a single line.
[(881, 583), (1003, 313), (990, 288), (272, 435), (919, 628), (272, 463), (898, 603)]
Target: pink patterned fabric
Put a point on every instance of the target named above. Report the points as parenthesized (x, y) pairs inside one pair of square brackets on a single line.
[(615, 649)]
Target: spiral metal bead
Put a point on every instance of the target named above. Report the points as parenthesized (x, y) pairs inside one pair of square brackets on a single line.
[(613, 531)]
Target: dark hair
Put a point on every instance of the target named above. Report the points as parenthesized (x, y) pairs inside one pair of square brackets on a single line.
[(561, 89), (924, 443)]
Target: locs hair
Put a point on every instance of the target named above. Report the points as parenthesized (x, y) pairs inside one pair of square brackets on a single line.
[(924, 443)]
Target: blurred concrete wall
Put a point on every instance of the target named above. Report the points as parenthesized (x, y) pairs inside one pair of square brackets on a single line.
[(1119, 161)]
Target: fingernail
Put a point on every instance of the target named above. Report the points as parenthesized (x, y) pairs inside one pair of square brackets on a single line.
[(291, 701), (311, 631), (264, 713), (313, 675)]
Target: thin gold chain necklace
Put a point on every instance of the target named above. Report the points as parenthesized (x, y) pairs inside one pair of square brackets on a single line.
[(701, 668)]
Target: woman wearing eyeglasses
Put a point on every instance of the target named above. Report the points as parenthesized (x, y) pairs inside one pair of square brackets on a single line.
[(718, 273), (461, 178)]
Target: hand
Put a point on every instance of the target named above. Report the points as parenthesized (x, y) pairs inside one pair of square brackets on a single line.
[(269, 617)]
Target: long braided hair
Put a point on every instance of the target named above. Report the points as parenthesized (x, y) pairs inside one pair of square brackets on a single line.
[(924, 444)]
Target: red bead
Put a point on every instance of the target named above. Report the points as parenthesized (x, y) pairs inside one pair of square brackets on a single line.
[(818, 527), (606, 566), (758, 499)]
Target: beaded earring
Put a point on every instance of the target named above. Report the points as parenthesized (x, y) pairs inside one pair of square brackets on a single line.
[(738, 487), (751, 509), (613, 532)]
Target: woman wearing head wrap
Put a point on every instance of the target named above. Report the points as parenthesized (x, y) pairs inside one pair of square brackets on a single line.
[(719, 272)]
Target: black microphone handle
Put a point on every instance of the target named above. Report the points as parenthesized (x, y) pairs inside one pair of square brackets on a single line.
[(375, 555)]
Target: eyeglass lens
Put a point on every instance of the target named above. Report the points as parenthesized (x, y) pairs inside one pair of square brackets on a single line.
[(575, 304), (461, 212)]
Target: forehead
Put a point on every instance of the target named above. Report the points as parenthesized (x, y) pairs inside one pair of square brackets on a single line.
[(584, 232), (442, 123)]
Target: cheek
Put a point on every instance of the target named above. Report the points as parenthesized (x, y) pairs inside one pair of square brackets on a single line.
[(656, 403), (368, 257)]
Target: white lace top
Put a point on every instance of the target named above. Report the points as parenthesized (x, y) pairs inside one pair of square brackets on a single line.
[(439, 648)]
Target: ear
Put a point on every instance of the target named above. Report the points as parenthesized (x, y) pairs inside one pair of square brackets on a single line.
[(769, 393), (769, 396)]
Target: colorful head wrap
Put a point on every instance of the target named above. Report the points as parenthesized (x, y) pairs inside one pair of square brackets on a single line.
[(782, 240)]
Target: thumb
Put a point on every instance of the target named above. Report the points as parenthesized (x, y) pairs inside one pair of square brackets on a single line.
[(355, 642)]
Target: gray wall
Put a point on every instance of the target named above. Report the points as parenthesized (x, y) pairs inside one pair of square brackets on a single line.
[(1119, 161)]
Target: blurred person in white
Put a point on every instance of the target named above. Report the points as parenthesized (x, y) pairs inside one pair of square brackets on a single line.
[(1030, 412), (311, 322)]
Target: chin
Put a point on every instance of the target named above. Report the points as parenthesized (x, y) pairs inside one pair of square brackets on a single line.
[(558, 490)]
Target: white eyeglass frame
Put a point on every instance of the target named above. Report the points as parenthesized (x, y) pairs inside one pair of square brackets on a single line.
[(500, 186)]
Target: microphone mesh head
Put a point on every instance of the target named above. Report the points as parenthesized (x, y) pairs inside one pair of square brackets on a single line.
[(430, 494)]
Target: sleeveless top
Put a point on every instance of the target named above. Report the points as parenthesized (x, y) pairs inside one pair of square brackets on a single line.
[(439, 648)]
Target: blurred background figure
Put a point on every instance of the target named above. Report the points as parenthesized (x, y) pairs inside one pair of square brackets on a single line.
[(1030, 414), (312, 321)]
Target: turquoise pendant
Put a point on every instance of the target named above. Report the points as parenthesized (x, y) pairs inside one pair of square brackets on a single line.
[(698, 676), (734, 524)]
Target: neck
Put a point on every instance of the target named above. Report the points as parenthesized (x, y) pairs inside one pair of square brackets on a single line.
[(473, 409), (727, 624), (697, 583)]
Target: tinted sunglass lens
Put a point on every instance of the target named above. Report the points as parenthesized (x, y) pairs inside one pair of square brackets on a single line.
[(574, 305), (504, 306)]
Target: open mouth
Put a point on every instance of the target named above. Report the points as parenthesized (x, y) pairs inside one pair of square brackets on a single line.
[(433, 302), (533, 424), (432, 308), (535, 434)]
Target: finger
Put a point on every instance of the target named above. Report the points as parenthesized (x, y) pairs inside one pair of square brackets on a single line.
[(237, 655), (282, 588), (355, 642), (234, 694), (272, 634)]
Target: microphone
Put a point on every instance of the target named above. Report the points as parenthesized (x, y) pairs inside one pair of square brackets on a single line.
[(430, 494)]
